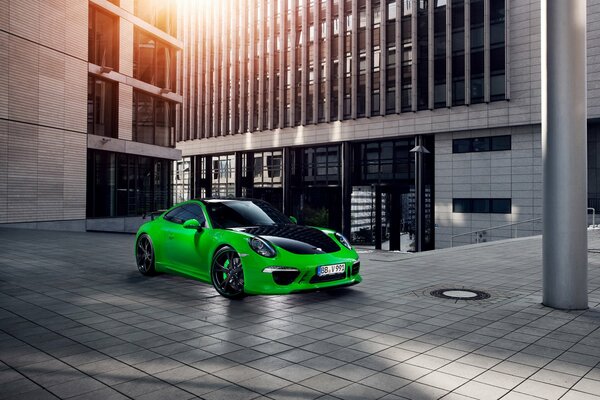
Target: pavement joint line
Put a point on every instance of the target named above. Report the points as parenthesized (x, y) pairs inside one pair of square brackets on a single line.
[(515, 315), (99, 351), (19, 372)]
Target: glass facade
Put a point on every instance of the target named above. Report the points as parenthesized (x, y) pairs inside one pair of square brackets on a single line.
[(223, 175), (316, 185), (154, 61), (103, 39), (102, 107), (481, 206), (497, 49), (337, 60), (160, 13), (262, 175), (122, 184), (182, 180), (593, 154), (153, 120), (439, 53), (486, 143), (383, 202), (365, 189), (125, 185), (384, 161)]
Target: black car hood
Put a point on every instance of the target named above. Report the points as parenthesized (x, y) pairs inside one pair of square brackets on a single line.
[(295, 238)]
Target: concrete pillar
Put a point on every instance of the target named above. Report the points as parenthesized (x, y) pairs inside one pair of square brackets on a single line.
[(564, 156)]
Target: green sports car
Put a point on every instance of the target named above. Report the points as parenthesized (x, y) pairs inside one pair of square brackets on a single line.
[(244, 246)]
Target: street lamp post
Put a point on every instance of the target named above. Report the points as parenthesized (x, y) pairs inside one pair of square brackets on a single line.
[(419, 150)]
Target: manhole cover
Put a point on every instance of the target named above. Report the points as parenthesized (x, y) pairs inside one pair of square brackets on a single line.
[(460, 294)]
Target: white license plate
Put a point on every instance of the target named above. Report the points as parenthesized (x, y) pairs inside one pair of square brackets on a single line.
[(331, 269)]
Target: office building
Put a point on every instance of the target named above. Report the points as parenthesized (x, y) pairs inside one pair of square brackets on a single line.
[(88, 104), (335, 111)]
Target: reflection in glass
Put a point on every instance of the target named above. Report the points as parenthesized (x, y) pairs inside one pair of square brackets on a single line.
[(124, 185), (102, 109), (103, 39), (153, 121), (143, 117), (477, 55), (458, 52), (497, 50), (223, 175), (439, 53)]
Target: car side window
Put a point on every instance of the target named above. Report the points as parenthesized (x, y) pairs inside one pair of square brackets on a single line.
[(184, 212), (191, 211), (173, 215)]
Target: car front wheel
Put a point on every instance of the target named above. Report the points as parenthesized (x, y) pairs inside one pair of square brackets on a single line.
[(227, 273), (144, 255)]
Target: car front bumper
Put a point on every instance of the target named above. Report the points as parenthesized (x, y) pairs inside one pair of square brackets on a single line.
[(296, 273)]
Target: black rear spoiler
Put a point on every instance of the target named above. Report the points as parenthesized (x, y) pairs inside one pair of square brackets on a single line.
[(152, 214)]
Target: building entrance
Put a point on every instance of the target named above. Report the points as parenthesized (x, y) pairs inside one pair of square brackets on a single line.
[(383, 217)]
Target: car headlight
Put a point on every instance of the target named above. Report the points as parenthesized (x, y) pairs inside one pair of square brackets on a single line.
[(262, 247), (342, 239)]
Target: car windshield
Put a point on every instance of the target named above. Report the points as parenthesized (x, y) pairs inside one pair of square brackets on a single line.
[(239, 213)]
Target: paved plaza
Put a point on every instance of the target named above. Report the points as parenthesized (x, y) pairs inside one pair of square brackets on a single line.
[(78, 321)]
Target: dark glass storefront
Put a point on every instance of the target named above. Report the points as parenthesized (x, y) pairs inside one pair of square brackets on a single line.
[(250, 174), (126, 185), (316, 186), (383, 197), (262, 176), (365, 189), (594, 165)]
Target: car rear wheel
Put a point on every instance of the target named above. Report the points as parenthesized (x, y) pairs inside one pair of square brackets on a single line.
[(144, 255), (227, 273)]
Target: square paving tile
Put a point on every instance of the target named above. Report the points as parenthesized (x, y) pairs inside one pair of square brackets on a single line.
[(106, 332)]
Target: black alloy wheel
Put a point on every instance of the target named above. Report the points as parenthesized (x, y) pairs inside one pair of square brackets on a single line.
[(227, 273), (144, 255)]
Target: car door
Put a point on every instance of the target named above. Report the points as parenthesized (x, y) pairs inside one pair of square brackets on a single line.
[(185, 247)]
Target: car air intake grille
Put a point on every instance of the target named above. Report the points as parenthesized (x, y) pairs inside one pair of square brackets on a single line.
[(327, 278), (356, 268), (285, 277), (311, 236)]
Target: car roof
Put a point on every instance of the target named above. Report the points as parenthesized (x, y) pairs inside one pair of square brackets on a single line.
[(226, 199)]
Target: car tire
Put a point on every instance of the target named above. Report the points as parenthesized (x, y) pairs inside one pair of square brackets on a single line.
[(227, 273), (145, 256)]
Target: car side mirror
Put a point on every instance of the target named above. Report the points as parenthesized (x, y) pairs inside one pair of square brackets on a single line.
[(192, 224), (294, 220)]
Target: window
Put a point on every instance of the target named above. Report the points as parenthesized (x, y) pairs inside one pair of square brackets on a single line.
[(223, 175), (422, 56), (160, 13), (103, 39), (477, 51), (439, 53), (391, 15), (317, 165), (500, 143), (458, 52), (182, 174), (489, 143), (102, 107), (121, 185), (153, 120), (461, 145), (480, 144), (268, 169), (186, 212), (497, 50), (153, 61), (481, 206), (383, 161)]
